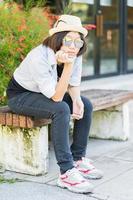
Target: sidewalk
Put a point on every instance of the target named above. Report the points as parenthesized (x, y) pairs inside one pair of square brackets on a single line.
[(115, 158)]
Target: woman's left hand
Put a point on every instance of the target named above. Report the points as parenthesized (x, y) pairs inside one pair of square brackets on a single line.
[(78, 109)]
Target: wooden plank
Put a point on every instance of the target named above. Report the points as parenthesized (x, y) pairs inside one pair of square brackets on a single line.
[(2, 118), (9, 119), (102, 99), (29, 122), (42, 122), (15, 120), (22, 121), (107, 94)]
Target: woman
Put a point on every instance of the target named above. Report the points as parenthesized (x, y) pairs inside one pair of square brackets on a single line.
[(47, 85)]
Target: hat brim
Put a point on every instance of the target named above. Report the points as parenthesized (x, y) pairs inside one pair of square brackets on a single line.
[(68, 28)]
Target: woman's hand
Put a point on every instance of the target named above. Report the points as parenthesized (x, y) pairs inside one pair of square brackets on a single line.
[(64, 57), (78, 109)]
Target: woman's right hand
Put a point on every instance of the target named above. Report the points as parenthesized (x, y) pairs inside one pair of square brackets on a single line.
[(63, 57)]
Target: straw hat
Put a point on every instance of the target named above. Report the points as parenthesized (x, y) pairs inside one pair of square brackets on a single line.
[(68, 23)]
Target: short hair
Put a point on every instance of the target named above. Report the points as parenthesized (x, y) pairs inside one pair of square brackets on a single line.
[(55, 42)]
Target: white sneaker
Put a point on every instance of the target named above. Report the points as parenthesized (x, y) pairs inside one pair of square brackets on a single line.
[(73, 181), (87, 170)]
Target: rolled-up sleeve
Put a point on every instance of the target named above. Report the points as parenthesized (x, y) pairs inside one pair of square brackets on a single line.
[(42, 75), (75, 78)]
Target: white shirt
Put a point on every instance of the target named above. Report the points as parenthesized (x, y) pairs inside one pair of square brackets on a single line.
[(38, 71)]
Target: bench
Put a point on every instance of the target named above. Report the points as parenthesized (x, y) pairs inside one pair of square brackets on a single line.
[(23, 143), (112, 113), (24, 139)]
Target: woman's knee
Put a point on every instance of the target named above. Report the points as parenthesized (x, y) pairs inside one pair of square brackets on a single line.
[(62, 108)]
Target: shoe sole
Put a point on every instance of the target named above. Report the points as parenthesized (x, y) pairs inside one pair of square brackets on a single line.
[(61, 185), (92, 177)]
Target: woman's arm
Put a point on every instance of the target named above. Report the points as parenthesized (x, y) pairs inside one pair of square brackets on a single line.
[(62, 85), (74, 92), (78, 106)]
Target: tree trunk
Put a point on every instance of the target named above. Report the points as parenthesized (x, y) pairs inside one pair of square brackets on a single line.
[(60, 5)]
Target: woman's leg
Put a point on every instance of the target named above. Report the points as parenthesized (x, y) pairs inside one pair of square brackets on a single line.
[(39, 106), (81, 128)]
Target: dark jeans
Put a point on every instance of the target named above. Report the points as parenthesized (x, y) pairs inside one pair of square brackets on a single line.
[(39, 106)]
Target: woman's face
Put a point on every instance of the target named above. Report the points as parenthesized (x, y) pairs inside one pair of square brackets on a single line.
[(72, 43)]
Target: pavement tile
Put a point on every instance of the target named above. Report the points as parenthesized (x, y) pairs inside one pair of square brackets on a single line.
[(125, 154), (119, 188), (112, 167), (33, 191)]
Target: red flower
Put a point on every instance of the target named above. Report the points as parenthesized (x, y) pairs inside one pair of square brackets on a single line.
[(89, 26), (19, 49), (22, 26), (22, 38)]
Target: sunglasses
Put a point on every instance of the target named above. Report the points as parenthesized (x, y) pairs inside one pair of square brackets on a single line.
[(78, 43)]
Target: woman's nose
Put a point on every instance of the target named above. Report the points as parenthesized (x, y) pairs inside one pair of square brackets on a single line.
[(72, 45)]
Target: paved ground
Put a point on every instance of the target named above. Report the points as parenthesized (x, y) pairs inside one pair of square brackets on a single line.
[(115, 158)]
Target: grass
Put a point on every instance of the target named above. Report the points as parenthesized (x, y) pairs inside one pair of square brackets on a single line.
[(6, 180)]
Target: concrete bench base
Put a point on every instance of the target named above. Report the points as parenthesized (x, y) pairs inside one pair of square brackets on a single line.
[(112, 123), (24, 150)]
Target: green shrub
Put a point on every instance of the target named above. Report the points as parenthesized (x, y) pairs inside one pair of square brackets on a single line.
[(20, 31), (28, 4)]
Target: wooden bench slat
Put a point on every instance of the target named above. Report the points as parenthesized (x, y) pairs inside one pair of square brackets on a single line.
[(29, 122), (9, 119), (3, 118), (22, 121), (15, 120), (42, 122), (102, 99)]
